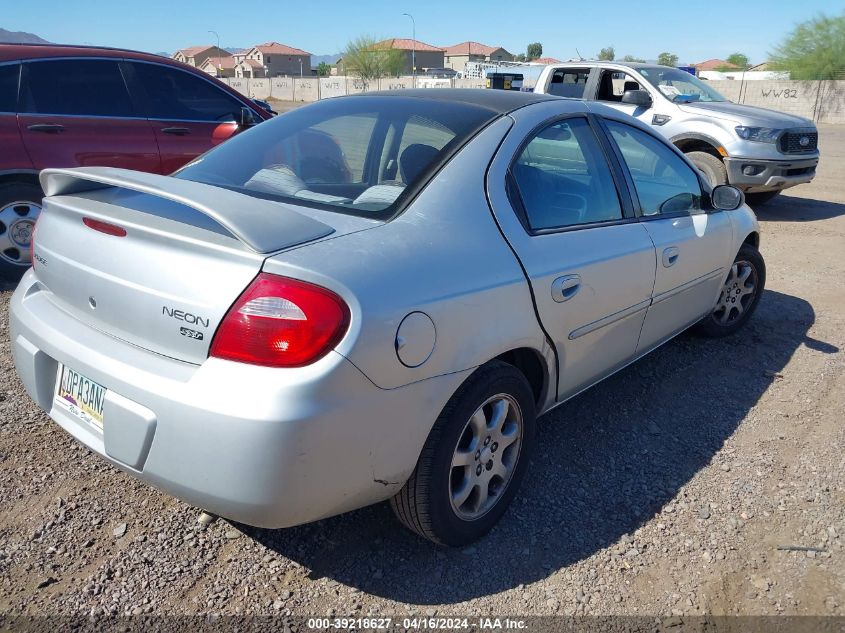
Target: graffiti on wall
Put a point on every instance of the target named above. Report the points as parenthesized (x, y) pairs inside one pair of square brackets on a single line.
[(774, 93)]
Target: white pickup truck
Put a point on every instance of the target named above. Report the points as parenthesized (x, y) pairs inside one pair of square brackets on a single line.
[(757, 150)]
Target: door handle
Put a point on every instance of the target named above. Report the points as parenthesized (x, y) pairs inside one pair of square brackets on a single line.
[(47, 128), (566, 287), (670, 256), (176, 131)]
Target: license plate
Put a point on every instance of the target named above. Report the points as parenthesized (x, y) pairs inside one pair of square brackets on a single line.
[(80, 396)]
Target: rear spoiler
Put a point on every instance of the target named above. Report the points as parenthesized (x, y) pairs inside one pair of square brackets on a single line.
[(262, 225)]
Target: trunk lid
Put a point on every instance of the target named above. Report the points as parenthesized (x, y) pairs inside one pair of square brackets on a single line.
[(187, 253)]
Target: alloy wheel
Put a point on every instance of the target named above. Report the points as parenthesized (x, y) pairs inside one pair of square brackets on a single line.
[(485, 457), (737, 293), (17, 222)]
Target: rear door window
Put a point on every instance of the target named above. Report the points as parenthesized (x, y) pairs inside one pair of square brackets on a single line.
[(564, 179), (77, 87), (569, 82), (177, 95), (9, 87), (614, 84)]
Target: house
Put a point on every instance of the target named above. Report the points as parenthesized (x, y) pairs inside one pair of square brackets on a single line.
[(457, 56), (220, 66), (272, 60), (715, 64), (197, 55), (427, 56)]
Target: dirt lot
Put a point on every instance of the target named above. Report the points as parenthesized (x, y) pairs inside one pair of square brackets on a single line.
[(668, 489)]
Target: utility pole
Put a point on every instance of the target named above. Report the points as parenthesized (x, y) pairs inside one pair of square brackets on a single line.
[(413, 49), (217, 69)]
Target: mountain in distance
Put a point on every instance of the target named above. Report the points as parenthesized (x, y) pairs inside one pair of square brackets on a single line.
[(20, 37), (329, 59)]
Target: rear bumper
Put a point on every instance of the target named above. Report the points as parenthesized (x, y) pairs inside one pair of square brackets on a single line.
[(755, 175), (266, 447)]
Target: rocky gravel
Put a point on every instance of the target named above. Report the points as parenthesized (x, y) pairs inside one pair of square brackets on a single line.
[(708, 478)]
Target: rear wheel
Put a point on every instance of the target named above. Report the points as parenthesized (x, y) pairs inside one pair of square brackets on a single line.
[(759, 199), (473, 460), (20, 204), (740, 295), (711, 166)]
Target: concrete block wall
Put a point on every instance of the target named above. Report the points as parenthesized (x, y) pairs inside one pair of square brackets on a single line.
[(792, 97), (831, 103), (820, 101)]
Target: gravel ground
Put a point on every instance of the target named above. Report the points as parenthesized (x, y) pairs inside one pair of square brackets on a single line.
[(669, 489)]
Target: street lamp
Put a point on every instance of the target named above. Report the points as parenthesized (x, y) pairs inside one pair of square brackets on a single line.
[(413, 49), (217, 69)]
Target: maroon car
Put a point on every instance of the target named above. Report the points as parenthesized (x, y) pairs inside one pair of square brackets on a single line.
[(69, 106)]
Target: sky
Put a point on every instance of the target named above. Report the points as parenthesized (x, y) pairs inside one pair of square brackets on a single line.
[(694, 30)]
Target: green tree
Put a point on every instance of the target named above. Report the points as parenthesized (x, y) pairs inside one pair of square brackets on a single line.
[(324, 69), (738, 59), (520, 57), (535, 51), (667, 59), (815, 49), (368, 59), (607, 54), (631, 58)]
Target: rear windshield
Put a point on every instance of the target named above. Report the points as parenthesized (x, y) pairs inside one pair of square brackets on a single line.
[(359, 155)]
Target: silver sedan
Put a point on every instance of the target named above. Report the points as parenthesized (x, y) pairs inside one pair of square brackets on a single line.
[(369, 298)]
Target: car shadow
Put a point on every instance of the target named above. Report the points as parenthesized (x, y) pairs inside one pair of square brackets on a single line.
[(794, 209), (605, 463)]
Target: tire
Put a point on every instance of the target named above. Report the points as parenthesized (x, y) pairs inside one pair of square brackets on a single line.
[(426, 504), (20, 204), (711, 166), (733, 301), (761, 198)]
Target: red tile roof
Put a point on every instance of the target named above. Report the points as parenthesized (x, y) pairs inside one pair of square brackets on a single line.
[(713, 64), (252, 62), (274, 48), (193, 51), (408, 44), (221, 62), (545, 60), (474, 48)]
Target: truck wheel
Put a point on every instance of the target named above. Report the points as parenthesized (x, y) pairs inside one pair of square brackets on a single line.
[(20, 204), (711, 166), (473, 460), (758, 199)]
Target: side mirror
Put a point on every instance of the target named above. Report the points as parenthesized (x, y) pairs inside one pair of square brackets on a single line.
[(726, 198), (247, 118), (639, 98)]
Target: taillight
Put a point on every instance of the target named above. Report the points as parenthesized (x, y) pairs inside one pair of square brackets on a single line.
[(104, 227), (281, 322)]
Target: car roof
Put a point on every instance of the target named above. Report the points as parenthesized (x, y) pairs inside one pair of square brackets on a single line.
[(23, 52), (13, 52), (500, 101), (607, 64)]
